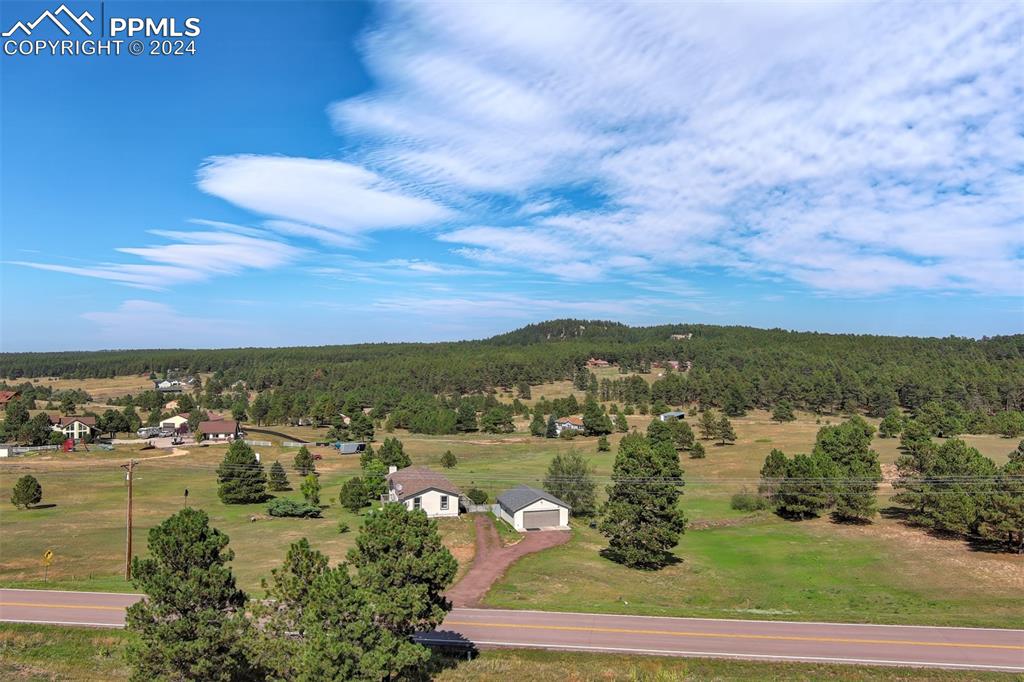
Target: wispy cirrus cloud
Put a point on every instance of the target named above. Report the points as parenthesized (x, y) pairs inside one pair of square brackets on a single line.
[(855, 148), (121, 328), (189, 257)]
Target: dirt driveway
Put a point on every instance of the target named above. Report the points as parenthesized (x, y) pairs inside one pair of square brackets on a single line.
[(492, 560)]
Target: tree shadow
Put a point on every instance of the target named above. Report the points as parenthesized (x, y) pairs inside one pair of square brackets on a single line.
[(448, 650), (848, 521), (49, 505), (667, 559)]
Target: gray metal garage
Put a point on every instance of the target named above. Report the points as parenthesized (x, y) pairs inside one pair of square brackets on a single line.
[(526, 508)]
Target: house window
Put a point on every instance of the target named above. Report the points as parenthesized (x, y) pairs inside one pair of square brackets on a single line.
[(417, 503), (444, 503)]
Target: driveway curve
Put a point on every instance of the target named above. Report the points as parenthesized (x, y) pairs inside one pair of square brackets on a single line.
[(492, 559)]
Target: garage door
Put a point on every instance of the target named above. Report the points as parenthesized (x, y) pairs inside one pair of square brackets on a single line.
[(540, 519)]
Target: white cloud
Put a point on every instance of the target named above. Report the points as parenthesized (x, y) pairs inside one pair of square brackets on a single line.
[(148, 324), (856, 147), (191, 257), (316, 192)]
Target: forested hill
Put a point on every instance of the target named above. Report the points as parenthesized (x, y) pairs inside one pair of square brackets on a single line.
[(757, 366)]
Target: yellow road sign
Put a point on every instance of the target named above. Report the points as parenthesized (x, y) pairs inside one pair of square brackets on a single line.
[(48, 557)]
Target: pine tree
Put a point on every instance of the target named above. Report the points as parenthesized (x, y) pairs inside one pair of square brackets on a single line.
[(802, 492), (697, 451), (354, 495), (569, 479), (26, 492), (304, 462), (708, 425), (783, 412), (772, 473), (448, 459), (465, 420), (281, 636), (392, 454), (891, 425), (537, 427), (603, 445), (621, 425), (552, 430), (659, 431), (310, 490), (724, 431), (642, 519), (240, 476), (278, 477), (192, 624)]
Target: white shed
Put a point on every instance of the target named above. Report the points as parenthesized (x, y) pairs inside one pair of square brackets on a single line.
[(527, 508)]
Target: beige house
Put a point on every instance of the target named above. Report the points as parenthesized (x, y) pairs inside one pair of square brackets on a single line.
[(176, 422), (569, 424), (526, 508), (75, 428), (219, 430), (423, 488)]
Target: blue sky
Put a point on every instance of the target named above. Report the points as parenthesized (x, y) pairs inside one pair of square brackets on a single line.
[(341, 172)]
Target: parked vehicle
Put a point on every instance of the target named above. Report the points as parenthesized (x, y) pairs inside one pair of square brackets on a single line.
[(352, 448)]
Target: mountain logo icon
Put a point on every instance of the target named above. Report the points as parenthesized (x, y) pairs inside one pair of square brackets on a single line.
[(77, 20)]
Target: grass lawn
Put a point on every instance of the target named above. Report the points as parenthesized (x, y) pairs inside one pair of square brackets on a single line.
[(39, 652)]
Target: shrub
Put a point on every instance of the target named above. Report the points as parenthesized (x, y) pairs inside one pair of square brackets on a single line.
[(477, 496), (568, 434), (27, 491), (603, 445), (747, 501), (697, 451), (343, 527), (282, 506), (448, 460)]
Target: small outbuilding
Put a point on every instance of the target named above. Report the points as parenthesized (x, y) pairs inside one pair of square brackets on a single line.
[(526, 508), (672, 416)]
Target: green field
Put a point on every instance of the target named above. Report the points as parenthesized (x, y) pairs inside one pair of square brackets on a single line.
[(39, 652), (731, 564)]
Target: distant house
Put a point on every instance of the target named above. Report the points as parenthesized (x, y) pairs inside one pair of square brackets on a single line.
[(682, 337), (219, 429), (6, 397), (345, 419), (672, 416), (597, 362), (178, 422), (527, 508), (168, 386), (423, 488), (75, 428), (350, 448), (568, 423)]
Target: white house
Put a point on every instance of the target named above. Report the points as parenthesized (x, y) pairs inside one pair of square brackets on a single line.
[(422, 488), (527, 508), (570, 423), (177, 422), (75, 428)]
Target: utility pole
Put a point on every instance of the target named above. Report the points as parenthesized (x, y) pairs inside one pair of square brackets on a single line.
[(130, 468)]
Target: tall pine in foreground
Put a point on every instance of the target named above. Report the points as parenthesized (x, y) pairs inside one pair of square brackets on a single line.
[(240, 476), (192, 624), (642, 519)]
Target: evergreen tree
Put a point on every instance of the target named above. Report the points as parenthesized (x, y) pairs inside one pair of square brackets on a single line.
[(856, 499), (341, 641), (783, 412), (465, 420), (621, 425), (403, 565), (448, 459), (552, 430), (354, 495), (724, 431), (595, 422), (697, 450), (310, 490), (802, 492), (392, 454), (642, 519), (682, 435), (772, 473), (524, 390), (569, 479), (192, 624), (891, 425), (304, 462), (603, 445), (708, 425), (1002, 517), (659, 431), (375, 479), (281, 636), (497, 420), (240, 476), (537, 427), (278, 477), (26, 492), (361, 426)]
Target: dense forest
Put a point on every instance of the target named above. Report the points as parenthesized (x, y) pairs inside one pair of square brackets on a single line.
[(733, 368)]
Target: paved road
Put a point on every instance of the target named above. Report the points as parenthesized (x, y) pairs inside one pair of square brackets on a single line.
[(985, 649)]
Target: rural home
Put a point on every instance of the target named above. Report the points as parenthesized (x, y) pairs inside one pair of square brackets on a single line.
[(672, 416), (423, 488), (75, 428), (219, 430), (527, 508), (682, 337), (6, 397), (597, 362), (568, 423), (178, 422)]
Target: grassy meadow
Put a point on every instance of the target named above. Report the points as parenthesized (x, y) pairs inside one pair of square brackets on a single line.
[(731, 564)]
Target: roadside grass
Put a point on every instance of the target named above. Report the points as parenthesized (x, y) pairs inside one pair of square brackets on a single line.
[(43, 652)]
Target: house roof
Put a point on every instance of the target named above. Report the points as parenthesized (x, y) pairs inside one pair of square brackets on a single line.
[(412, 481), (6, 396), (65, 421), (673, 414), (523, 496), (218, 426), (576, 421)]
